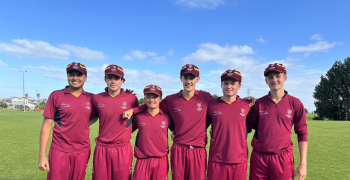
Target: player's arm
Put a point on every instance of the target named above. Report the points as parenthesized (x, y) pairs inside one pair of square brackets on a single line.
[(252, 119), (300, 128), (251, 100), (43, 163), (94, 112)]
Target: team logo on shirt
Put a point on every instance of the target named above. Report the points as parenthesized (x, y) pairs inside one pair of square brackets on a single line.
[(64, 105), (199, 105), (142, 124), (163, 124), (217, 113), (230, 73), (100, 105), (242, 112), (87, 105), (262, 112), (289, 112), (124, 105), (189, 67), (177, 110)]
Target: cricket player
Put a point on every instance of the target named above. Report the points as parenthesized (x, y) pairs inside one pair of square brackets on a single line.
[(228, 155), (272, 117), (113, 151), (70, 110), (151, 146), (187, 110)]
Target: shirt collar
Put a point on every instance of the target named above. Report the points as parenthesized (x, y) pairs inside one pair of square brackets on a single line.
[(148, 114), (121, 91), (285, 94), (66, 91), (237, 98)]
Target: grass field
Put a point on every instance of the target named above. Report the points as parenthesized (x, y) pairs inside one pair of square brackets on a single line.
[(328, 156)]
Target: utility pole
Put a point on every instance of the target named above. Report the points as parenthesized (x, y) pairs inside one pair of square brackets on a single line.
[(248, 92), (24, 101)]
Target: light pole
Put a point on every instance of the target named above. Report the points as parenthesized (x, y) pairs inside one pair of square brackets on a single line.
[(24, 101)]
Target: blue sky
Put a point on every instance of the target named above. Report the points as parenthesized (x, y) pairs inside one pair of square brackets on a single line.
[(152, 40)]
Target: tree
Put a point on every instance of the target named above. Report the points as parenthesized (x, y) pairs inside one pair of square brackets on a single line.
[(215, 96), (21, 108), (142, 101), (332, 94), (306, 111), (38, 96), (3, 105), (41, 105), (26, 96)]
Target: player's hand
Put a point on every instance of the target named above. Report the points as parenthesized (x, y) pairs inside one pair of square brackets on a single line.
[(129, 91), (300, 172), (172, 135), (127, 114), (43, 164), (251, 100)]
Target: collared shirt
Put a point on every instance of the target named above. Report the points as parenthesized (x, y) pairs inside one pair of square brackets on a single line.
[(188, 117), (152, 137), (273, 123), (228, 137), (113, 128), (71, 115)]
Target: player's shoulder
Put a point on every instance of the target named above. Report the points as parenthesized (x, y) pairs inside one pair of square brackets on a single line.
[(57, 91), (204, 93), (294, 100), (243, 101)]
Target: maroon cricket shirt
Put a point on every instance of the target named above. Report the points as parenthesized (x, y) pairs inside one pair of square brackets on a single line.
[(152, 137), (229, 133), (113, 128), (273, 123), (71, 115), (188, 117)]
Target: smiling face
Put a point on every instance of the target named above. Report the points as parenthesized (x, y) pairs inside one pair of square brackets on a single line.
[(189, 82), (113, 82), (76, 79), (152, 100), (275, 80), (230, 87)]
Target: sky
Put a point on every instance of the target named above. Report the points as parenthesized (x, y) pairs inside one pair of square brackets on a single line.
[(152, 40)]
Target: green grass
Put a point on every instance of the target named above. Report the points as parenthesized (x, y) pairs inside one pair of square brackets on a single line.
[(328, 154)]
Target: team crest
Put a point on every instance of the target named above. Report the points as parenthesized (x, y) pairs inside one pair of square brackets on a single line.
[(124, 105), (230, 73), (242, 112), (272, 67), (153, 88), (87, 105), (114, 68), (199, 105), (163, 124), (75, 66), (289, 112), (190, 67)]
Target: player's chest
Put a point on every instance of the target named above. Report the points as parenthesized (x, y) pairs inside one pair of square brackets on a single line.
[(228, 114), (152, 124), (115, 106), (181, 107), (69, 105), (281, 112)]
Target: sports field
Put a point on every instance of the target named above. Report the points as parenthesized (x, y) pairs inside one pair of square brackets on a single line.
[(328, 152)]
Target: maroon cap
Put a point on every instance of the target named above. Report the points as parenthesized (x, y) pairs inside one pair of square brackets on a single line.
[(154, 89), (191, 69), (231, 74), (275, 67), (114, 69), (76, 66)]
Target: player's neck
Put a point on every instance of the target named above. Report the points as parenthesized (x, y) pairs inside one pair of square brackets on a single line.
[(114, 93), (153, 111), (75, 91), (229, 99), (277, 95), (188, 94)]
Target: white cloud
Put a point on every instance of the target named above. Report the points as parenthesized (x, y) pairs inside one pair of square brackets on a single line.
[(319, 46), (141, 55), (2, 63), (137, 54), (33, 49), (261, 40), (204, 4), (84, 52)]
